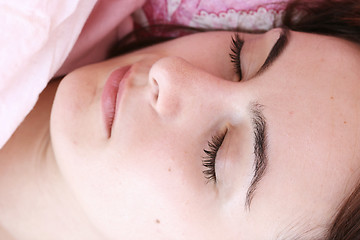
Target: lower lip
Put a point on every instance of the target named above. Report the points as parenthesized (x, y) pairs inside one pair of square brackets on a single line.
[(111, 95)]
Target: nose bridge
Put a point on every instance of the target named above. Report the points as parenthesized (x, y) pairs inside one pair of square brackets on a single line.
[(177, 85), (171, 74)]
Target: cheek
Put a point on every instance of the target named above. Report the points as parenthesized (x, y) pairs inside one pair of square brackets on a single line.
[(149, 191), (132, 182)]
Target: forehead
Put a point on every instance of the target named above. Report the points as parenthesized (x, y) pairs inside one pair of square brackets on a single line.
[(312, 107)]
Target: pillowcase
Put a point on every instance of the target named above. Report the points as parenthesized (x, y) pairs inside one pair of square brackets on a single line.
[(250, 15)]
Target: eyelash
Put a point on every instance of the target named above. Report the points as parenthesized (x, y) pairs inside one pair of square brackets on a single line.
[(216, 141), (210, 156), (235, 47)]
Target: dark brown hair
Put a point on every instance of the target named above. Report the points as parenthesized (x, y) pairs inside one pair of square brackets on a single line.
[(346, 224), (339, 18)]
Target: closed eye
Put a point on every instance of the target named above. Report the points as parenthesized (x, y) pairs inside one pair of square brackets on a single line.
[(235, 47), (209, 159)]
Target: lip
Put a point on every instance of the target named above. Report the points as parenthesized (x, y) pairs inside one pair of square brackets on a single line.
[(112, 93)]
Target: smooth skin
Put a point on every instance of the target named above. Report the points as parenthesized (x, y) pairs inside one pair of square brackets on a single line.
[(62, 173)]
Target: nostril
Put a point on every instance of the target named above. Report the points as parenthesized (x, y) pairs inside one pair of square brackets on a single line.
[(155, 89)]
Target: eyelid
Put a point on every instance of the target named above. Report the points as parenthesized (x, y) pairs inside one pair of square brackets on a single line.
[(209, 160), (253, 69)]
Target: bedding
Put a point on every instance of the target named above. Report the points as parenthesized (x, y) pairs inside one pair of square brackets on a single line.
[(43, 39)]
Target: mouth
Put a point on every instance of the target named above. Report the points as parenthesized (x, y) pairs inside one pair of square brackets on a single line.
[(112, 93)]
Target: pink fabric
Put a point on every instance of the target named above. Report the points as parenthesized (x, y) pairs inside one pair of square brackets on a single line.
[(226, 14)]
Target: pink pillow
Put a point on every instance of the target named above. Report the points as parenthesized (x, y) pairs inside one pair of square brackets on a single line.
[(225, 14)]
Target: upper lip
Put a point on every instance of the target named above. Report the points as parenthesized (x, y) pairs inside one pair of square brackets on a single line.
[(111, 95), (127, 78)]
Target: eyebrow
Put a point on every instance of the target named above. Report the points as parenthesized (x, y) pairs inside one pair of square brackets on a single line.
[(259, 122), (276, 50), (260, 146)]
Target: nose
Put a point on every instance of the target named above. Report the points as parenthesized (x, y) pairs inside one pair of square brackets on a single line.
[(180, 87), (167, 79)]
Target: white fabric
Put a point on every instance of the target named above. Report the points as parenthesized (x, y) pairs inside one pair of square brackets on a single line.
[(36, 37)]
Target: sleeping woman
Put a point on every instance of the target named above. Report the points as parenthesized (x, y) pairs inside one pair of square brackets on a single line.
[(214, 135)]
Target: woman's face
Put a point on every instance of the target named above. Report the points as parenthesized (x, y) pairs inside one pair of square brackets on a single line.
[(288, 134)]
